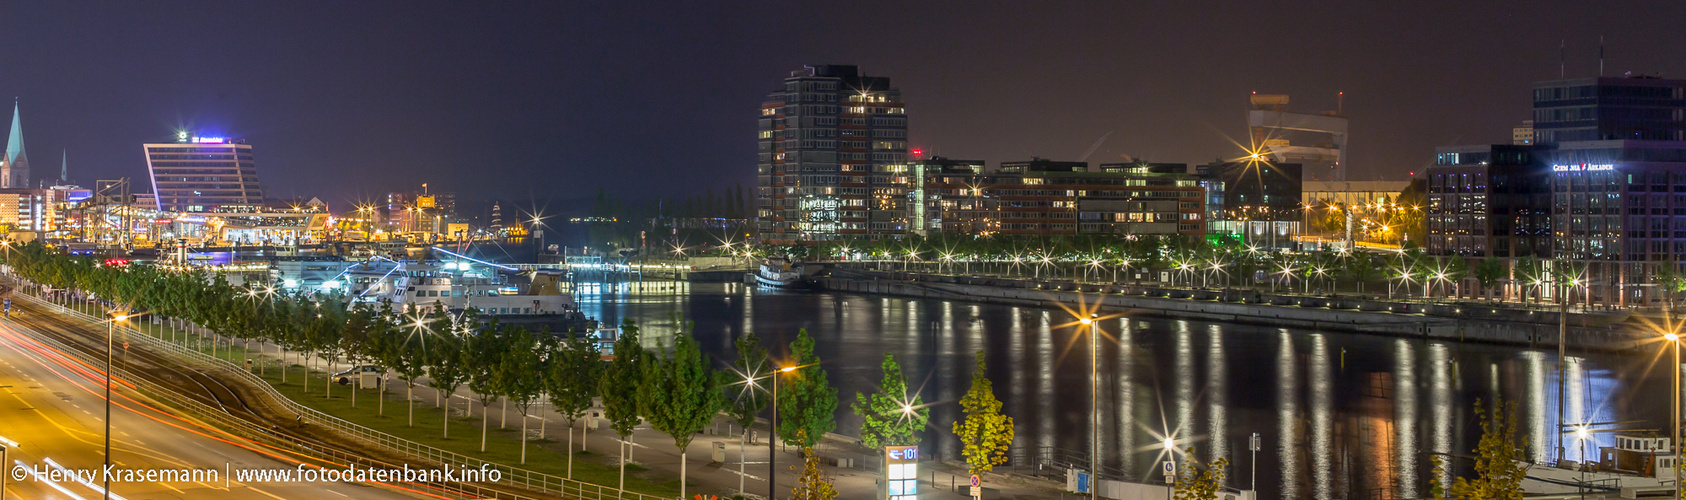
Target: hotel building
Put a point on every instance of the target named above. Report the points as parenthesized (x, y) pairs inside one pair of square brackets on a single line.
[(201, 174)]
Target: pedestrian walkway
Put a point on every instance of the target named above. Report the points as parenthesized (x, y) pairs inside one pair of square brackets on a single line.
[(656, 451)]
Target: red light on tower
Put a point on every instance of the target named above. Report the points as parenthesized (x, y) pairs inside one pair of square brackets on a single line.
[(918, 152)]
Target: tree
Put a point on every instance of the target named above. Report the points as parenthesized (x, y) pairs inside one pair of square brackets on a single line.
[(445, 372), (411, 360), (572, 383), (1500, 462), (810, 484), (807, 400), (1407, 214), (751, 398), (1671, 282), (619, 388), (1200, 482), (888, 416), (682, 394), (1530, 273), (984, 433), (1489, 272), (521, 361), (480, 355), (1362, 268)]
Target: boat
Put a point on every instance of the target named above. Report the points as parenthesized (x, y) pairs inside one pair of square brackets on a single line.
[(779, 272), (1640, 461), (457, 283)]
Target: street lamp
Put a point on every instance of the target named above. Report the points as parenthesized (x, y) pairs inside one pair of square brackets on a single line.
[(110, 331), (1674, 407), (1171, 466), (773, 433), (5, 446), (1094, 401)]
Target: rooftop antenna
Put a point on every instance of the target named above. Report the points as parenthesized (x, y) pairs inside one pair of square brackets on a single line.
[(1340, 102), (1601, 56)]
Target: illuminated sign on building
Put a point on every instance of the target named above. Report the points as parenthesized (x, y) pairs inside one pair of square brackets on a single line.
[(901, 470), (424, 201), (1584, 167)]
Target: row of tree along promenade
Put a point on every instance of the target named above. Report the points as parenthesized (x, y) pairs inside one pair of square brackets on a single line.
[(1225, 262), (674, 388)]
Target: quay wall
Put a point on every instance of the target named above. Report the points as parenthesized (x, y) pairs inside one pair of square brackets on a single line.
[(1455, 322)]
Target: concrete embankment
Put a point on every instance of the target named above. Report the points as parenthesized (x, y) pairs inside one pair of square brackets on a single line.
[(1458, 322)]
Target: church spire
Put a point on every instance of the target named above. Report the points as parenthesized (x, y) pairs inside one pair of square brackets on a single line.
[(14, 144), (64, 168), (15, 172)]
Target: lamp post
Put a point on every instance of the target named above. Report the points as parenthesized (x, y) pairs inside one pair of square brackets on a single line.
[(1170, 466), (1094, 402), (5, 446), (1674, 407), (110, 331), (773, 433)]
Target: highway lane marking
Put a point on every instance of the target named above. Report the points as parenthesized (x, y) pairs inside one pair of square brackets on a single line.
[(338, 493), (265, 493), (91, 437)]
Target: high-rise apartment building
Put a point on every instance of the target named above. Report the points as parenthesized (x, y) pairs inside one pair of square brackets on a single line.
[(830, 141), (200, 174)]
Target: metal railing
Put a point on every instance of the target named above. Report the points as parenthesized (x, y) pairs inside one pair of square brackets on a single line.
[(222, 420), (522, 478)]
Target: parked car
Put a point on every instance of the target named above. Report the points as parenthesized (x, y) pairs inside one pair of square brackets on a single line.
[(361, 371)]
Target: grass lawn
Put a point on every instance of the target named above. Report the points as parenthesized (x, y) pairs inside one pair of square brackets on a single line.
[(503, 446)]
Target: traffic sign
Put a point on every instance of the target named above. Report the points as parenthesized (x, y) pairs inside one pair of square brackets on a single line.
[(977, 492), (975, 481), (1253, 443)]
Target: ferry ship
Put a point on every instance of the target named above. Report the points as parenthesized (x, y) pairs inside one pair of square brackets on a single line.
[(779, 272), (458, 282)]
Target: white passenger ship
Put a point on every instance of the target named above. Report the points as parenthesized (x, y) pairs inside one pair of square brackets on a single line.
[(458, 282)]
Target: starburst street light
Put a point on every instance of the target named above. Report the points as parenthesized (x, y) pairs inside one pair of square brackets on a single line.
[(773, 385)]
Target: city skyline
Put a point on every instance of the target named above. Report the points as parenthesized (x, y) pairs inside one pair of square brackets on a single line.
[(528, 89)]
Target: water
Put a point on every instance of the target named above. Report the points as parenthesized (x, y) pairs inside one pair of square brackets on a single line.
[(1340, 415)]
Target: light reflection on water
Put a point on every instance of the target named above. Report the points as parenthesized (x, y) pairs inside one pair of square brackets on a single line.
[(1350, 416)]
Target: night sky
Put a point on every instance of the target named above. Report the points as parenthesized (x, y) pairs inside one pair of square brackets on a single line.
[(348, 100)]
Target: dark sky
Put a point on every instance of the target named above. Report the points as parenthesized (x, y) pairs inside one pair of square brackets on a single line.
[(552, 99)]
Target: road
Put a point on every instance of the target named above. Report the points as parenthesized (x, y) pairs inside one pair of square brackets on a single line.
[(52, 407)]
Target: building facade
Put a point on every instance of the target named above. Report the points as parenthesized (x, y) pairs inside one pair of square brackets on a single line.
[(1603, 109), (1261, 201), (1489, 201), (200, 174), (1602, 189), (1619, 208), (830, 139), (1522, 135), (1045, 198), (947, 196)]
